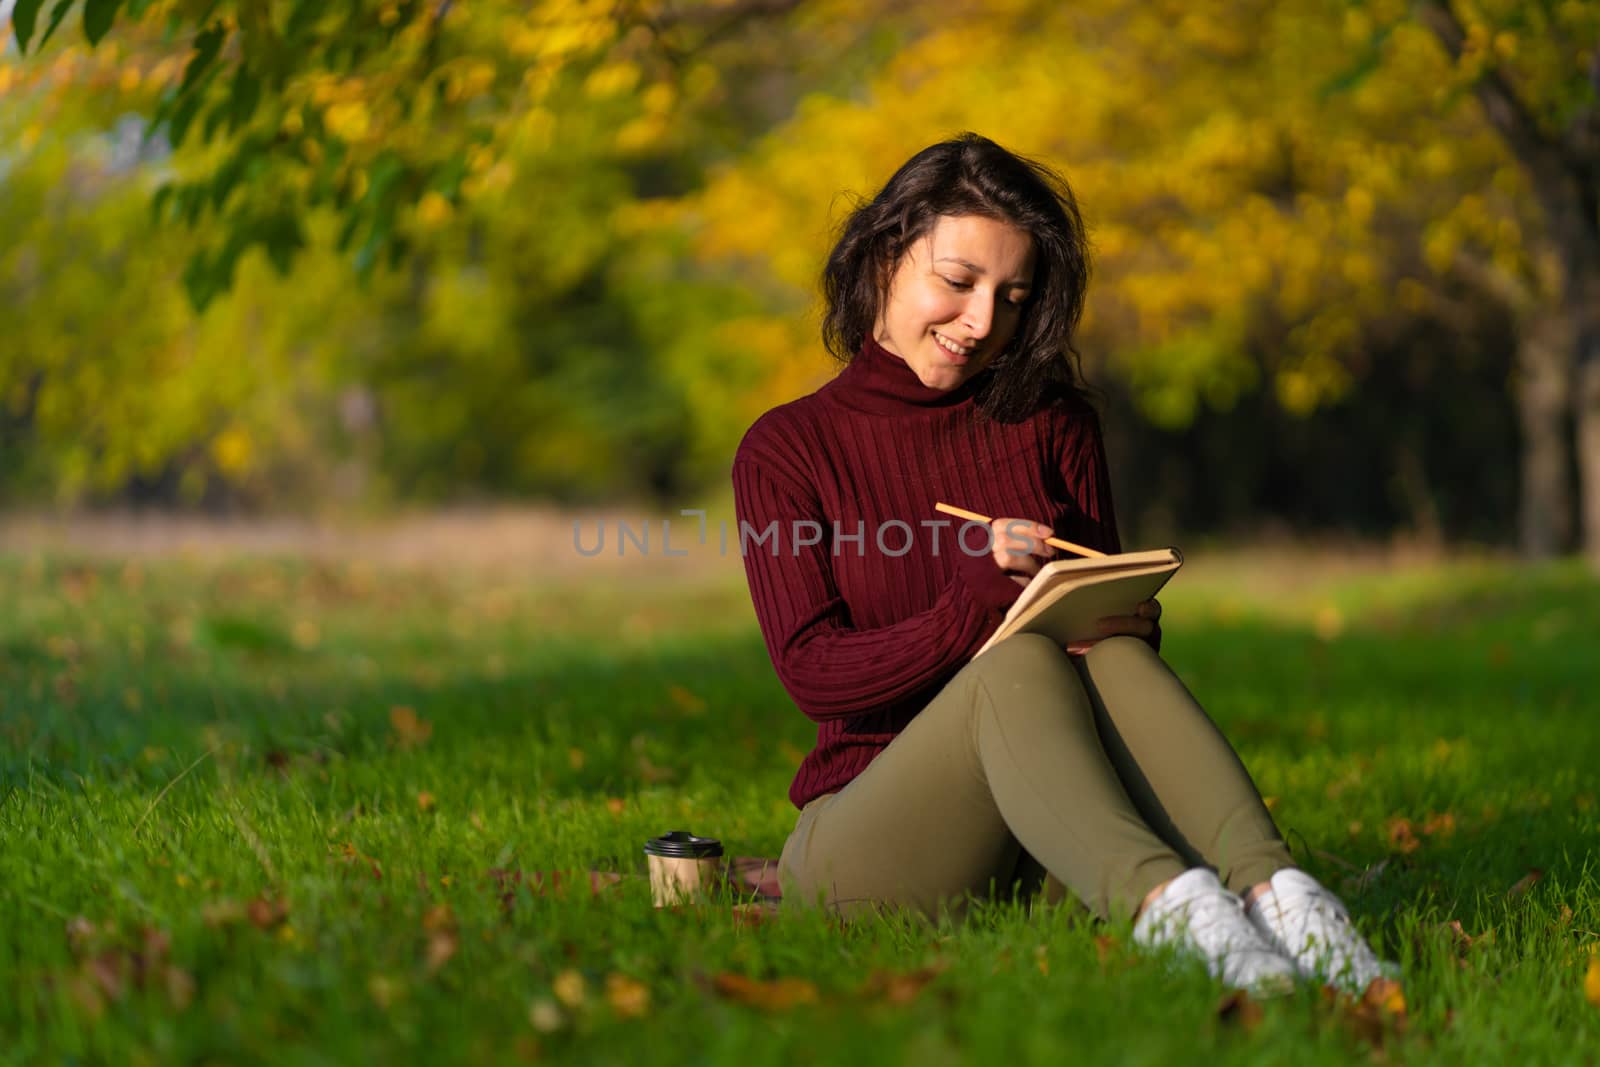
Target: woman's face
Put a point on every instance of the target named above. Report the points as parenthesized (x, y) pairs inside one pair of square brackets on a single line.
[(956, 297)]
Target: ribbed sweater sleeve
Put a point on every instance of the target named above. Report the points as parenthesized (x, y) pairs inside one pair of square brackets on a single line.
[(829, 667)]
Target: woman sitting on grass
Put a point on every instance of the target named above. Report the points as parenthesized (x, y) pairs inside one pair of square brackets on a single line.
[(953, 296)]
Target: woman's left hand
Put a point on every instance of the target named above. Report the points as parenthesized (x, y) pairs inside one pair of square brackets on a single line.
[(1142, 623)]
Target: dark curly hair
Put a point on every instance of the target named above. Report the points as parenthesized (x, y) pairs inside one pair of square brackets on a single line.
[(970, 175)]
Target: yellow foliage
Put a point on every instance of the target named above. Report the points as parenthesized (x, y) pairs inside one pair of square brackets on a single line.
[(612, 79), (434, 210), (232, 450), (641, 133), (349, 121)]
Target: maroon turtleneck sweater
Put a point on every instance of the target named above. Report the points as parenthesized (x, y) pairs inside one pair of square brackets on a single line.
[(863, 635)]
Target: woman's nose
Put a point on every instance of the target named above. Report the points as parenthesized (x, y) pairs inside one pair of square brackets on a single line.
[(979, 315)]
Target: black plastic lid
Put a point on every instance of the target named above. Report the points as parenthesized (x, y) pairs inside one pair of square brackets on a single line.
[(681, 844)]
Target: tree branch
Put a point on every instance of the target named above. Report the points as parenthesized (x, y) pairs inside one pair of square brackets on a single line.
[(1559, 176), (707, 14)]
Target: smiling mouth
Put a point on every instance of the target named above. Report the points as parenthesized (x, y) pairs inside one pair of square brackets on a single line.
[(953, 348)]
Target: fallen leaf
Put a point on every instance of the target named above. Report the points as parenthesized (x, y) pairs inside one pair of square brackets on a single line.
[(425, 801), (265, 913), (109, 973), (898, 987), (1380, 1011), (1237, 1009), (1460, 940), (686, 701), (778, 994), (654, 773), (1591, 980), (1401, 837), (615, 805), (442, 945), (180, 987), (80, 932), (575, 758), (410, 729), (628, 997), (1104, 946), (1041, 959), (1526, 882), (438, 917), (1443, 824), (1385, 994), (570, 988), (545, 1015)]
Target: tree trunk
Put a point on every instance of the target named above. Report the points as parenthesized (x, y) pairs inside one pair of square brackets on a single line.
[(1586, 412), (1557, 357), (1543, 400)]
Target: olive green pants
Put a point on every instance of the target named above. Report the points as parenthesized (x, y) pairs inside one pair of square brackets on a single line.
[(1099, 775)]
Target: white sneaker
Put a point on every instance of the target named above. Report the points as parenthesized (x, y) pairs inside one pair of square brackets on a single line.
[(1197, 915), (1309, 925)]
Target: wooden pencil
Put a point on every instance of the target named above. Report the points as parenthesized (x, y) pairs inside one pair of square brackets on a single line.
[(963, 513)]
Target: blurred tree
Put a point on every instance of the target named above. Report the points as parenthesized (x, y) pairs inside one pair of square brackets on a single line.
[(1272, 187), (371, 107), (1534, 70), (545, 334), (1279, 192)]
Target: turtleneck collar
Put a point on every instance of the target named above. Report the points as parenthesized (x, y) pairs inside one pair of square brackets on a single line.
[(879, 381)]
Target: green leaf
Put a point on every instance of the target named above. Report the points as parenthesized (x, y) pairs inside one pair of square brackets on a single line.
[(207, 44), (158, 202), (98, 15), (199, 280), (23, 18), (282, 236), (57, 13), (1365, 65), (244, 98), (182, 116)]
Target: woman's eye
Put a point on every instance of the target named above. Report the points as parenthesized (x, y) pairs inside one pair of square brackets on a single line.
[(952, 283)]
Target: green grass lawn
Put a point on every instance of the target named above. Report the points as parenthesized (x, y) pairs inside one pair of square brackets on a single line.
[(249, 811)]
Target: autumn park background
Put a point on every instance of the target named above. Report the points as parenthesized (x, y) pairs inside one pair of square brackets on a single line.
[(320, 322)]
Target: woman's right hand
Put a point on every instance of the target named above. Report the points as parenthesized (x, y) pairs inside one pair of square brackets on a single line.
[(1019, 547)]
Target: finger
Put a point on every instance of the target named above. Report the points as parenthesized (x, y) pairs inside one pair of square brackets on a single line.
[(1021, 537), (1131, 625), (1025, 565)]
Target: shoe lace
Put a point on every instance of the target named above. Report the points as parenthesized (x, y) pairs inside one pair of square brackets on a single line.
[(1320, 932), (1216, 922)]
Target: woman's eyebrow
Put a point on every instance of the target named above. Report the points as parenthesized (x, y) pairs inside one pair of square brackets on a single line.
[(1018, 283)]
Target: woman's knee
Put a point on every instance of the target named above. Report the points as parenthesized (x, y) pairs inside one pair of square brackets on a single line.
[(1031, 671), (1121, 653), (1022, 657)]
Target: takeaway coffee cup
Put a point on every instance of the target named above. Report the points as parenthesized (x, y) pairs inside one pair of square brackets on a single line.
[(681, 866)]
